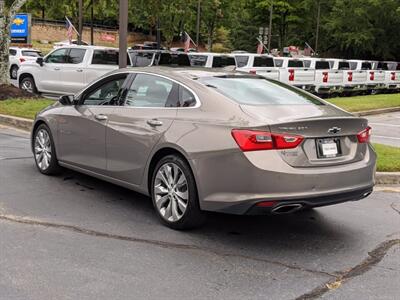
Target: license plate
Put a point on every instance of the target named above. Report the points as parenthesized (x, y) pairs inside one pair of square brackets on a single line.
[(327, 148)]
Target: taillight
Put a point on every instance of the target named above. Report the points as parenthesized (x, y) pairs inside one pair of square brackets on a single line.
[(364, 136), (253, 72), (393, 77), (371, 76), (291, 75), (350, 76), (266, 203), (325, 76), (252, 140), (22, 60)]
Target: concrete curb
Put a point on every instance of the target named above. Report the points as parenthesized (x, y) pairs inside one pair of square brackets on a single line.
[(20, 123), (26, 124), (387, 178), (377, 111)]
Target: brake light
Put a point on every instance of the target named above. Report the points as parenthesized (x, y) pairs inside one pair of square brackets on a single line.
[(252, 140), (22, 60), (393, 77), (371, 76), (291, 75), (254, 72), (350, 78), (325, 76), (364, 136)]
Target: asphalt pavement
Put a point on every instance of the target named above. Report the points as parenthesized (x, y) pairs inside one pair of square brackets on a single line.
[(75, 237), (386, 128)]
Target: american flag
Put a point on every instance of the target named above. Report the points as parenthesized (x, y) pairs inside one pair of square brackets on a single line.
[(70, 29), (186, 41), (260, 47)]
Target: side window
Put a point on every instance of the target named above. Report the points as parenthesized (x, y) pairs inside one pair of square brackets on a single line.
[(187, 99), (76, 56), (241, 61), (57, 57), (12, 52), (150, 91), (198, 60), (105, 57), (106, 93)]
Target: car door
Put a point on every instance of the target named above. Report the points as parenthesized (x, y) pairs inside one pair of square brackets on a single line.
[(49, 76), (150, 106), (72, 73), (82, 130)]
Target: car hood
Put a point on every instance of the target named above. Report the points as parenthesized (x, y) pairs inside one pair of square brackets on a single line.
[(271, 114)]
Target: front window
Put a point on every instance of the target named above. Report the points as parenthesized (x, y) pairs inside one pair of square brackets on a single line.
[(141, 59), (258, 91), (76, 56), (278, 63), (366, 66), (106, 93), (151, 91), (12, 52), (57, 57)]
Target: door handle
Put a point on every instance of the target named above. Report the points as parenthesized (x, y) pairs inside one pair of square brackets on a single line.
[(57, 69), (154, 123), (79, 70), (101, 117)]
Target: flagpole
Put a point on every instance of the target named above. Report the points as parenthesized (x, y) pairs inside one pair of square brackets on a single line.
[(73, 27)]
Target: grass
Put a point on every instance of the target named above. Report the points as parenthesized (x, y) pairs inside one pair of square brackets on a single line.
[(362, 103), (388, 158), (24, 108)]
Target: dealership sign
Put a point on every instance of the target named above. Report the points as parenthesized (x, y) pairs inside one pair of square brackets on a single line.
[(21, 29)]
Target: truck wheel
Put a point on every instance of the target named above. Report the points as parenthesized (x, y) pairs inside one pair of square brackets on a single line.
[(28, 84)]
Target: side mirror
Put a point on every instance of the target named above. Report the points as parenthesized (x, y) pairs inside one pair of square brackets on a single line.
[(40, 61), (66, 100)]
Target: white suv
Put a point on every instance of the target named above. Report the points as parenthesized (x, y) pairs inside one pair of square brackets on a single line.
[(67, 70), (17, 56)]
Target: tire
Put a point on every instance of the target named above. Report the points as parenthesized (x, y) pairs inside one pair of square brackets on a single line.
[(175, 197), (14, 72), (28, 84), (44, 151)]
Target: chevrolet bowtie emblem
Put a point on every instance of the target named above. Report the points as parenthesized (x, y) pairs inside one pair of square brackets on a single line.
[(334, 130)]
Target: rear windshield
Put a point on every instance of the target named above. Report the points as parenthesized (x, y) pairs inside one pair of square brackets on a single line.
[(198, 60), (223, 61), (296, 64), (258, 91), (322, 65), (263, 61), (172, 59), (31, 53), (366, 66), (344, 65)]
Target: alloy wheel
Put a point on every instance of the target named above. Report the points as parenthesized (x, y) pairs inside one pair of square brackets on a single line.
[(171, 192), (27, 86), (42, 150)]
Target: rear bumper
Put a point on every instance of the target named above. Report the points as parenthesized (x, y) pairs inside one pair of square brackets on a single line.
[(233, 183), (354, 87)]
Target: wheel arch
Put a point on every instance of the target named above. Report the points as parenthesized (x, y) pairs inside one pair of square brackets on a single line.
[(25, 75), (34, 128), (157, 156)]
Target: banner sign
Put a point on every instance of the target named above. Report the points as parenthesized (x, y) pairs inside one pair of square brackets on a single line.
[(20, 29)]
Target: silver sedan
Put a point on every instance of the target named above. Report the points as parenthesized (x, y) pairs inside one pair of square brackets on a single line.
[(197, 140)]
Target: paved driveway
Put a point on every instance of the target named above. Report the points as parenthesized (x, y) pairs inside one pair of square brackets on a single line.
[(75, 237), (386, 129)]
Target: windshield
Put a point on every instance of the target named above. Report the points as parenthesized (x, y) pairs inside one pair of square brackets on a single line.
[(258, 91)]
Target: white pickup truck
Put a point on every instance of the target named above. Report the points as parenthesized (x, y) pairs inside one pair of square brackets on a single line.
[(353, 81), (292, 71), (327, 81), (260, 64), (211, 60), (392, 74), (374, 79), (67, 70)]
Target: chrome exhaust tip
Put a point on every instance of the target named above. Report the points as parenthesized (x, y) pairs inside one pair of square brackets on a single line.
[(286, 209)]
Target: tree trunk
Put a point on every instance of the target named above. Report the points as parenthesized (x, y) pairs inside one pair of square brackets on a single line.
[(6, 15)]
